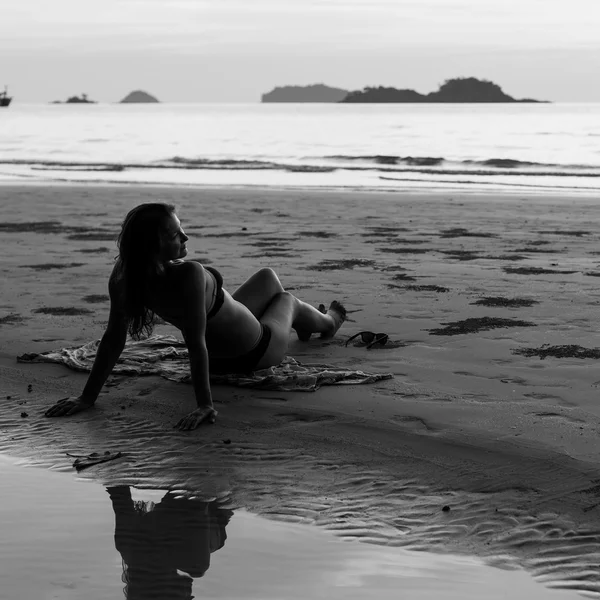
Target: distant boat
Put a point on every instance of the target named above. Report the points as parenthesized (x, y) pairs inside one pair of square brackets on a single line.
[(5, 99)]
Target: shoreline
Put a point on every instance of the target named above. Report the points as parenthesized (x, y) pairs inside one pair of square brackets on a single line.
[(418, 187), (508, 442)]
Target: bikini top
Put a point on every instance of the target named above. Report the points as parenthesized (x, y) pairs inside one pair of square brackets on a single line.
[(218, 294)]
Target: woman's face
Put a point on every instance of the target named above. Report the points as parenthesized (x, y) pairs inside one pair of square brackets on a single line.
[(173, 239)]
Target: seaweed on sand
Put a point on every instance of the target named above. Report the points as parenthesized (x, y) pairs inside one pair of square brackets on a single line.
[(505, 257), (535, 250), (317, 234), (535, 271), (94, 236), (11, 319), (574, 233), (461, 254), (564, 351), (337, 265), (377, 229), (100, 250), (474, 325), (400, 277), (49, 266), (96, 298), (427, 288), (406, 250), (62, 311), (455, 232), (56, 227), (510, 302)]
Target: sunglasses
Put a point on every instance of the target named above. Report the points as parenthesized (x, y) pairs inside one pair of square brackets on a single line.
[(370, 338)]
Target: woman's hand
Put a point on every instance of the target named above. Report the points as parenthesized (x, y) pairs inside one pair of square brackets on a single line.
[(68, 406), (191, 421)]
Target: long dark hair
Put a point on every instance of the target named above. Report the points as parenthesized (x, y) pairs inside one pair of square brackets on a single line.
[(138, 260)]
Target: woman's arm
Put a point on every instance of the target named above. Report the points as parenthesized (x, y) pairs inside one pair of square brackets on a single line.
[(192, 293), (109, 350)]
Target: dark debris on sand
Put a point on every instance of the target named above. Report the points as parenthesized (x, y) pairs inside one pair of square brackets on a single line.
[(11, 319), (54, 227), (50, 266), (62, 311), (474, 325), (565, 351), (377, 229), (317, 234), (405, 250), (32, 226), (338, 265), (536, 250), (94, 236), (428, 288), (455, 232), (403, 277), (96, 298), (100, 250), (514, 257), (400, 277), (461, 254), (272, 245), (535, 271), (231, 234), (509, 302), (574, 233)]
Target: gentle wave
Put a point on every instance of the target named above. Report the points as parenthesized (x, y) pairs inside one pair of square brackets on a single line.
[(429, 161), (372, 163)]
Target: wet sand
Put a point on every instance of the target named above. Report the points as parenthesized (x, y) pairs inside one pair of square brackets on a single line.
[(485, 442)]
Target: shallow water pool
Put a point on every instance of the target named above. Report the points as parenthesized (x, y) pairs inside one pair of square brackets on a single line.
[(66, 539)]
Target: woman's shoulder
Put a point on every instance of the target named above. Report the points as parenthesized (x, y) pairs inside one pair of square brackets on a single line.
[(185, 266), (186, 272)]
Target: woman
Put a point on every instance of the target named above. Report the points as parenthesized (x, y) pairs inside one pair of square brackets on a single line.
[(239, 332)]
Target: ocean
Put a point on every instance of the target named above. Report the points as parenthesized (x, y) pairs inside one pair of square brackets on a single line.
[(510, 147)]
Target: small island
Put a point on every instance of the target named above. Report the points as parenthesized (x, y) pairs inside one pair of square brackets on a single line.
[(310, 93), (138, 97), (83, 99), (461, 89)]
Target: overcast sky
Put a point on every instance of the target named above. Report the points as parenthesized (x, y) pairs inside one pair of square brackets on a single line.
[(234, 50)]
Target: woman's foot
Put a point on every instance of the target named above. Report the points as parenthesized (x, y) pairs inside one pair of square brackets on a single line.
[(338, 313)]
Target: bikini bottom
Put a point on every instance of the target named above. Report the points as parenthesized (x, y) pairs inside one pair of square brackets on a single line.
[(246, 362)]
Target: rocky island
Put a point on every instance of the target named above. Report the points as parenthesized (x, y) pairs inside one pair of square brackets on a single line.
[(83, 99), (138, 96), (461, 89), (310, 93)]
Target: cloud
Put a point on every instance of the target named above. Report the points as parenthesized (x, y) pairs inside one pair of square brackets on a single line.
[(288, 23)]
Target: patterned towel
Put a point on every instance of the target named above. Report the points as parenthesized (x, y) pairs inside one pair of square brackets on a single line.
[(167, 356)]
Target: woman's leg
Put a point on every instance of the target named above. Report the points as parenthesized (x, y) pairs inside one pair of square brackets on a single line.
[(259, 292), (286, 312)]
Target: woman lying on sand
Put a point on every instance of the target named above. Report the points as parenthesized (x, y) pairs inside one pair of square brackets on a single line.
[(239, 332)]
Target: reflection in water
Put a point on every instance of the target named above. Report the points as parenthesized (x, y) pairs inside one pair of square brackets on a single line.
[(165, 545)]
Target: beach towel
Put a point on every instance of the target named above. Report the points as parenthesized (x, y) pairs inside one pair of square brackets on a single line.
[(167, 356)]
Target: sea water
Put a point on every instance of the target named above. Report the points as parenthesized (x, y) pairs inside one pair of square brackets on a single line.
[(66, 539), (518, 147)]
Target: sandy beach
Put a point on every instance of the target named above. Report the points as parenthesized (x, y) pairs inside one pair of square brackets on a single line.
[(485, 441)]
